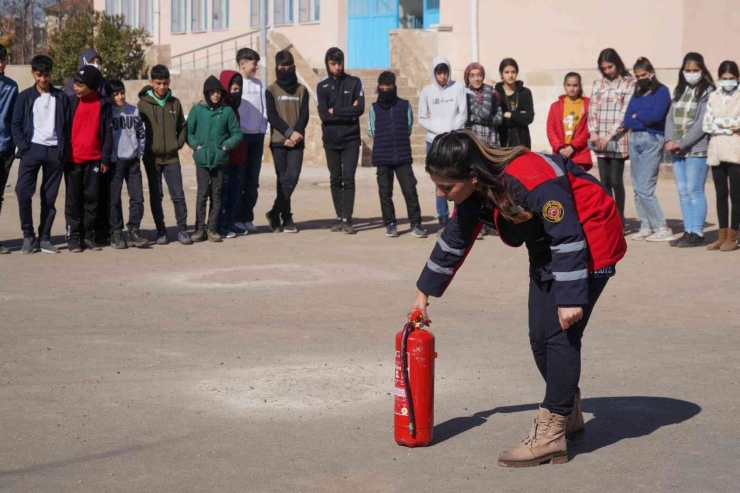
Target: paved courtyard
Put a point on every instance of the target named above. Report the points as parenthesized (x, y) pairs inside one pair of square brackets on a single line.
[(265, 363)]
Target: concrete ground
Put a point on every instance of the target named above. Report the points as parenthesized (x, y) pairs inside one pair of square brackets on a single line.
[(265, 363)]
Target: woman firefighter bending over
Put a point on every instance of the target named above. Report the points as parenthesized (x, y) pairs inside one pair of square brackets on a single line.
[(573, 232)]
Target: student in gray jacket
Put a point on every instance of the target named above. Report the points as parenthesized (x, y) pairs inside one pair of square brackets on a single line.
[(687, 143), (129, 140)]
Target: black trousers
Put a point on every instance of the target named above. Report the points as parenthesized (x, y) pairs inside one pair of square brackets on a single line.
[(250, 178), (209, 187), (82, 182), (128, 170), (557, 352), (288, 164), (102, 218), (6, 163), (611, 174), (46, 159), (172, 174), (342, 165), (722, 174), (407, 180)]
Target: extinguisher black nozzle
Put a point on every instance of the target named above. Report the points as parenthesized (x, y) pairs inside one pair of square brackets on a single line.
[(412, 430)]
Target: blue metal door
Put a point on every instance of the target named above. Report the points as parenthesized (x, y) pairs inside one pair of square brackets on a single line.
[(368, 45), (431, 13)]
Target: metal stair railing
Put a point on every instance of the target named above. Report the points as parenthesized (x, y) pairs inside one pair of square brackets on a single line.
[(224, 50)]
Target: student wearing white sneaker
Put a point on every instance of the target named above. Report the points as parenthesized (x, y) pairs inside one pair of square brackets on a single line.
[(645, 118)]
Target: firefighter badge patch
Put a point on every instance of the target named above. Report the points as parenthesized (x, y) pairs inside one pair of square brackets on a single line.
[(553, 211)]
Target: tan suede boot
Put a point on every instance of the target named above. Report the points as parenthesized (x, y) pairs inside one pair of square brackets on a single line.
[(575, 428), (545, 442), (730, 243), (720, 241)]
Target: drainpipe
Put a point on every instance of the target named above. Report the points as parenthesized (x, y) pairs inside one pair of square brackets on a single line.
[(474, 30), (159, 22), (263, 43)]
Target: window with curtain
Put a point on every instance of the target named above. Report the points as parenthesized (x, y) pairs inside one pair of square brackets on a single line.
[(220, 14), (309, 10), (198, 15), (283, 12), (146, 14), (254, 12), (178, 14)]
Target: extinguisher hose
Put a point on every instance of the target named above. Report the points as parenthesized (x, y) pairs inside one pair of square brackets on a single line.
[(407, 385)]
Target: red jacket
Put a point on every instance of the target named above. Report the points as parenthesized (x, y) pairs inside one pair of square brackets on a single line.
[(582, 155), (239, 154), (565, 217)]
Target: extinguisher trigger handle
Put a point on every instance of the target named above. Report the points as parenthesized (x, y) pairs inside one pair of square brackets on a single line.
[(416, 317)]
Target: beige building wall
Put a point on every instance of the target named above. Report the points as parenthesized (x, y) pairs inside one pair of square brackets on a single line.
[(312, 39), (547, 35)]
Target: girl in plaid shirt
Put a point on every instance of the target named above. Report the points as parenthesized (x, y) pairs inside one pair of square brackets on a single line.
[(687, 143), (610, 97)]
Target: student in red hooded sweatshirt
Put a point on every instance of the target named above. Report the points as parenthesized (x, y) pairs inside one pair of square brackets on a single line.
[(567, 125), (233, 84)]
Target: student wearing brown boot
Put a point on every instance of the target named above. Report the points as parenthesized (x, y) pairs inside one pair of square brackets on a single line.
[(722, 122), (573, 231)]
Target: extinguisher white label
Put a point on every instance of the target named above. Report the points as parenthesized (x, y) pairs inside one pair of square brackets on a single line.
[(399, 393)]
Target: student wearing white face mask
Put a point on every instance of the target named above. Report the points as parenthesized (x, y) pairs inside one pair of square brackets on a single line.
[(722, 122), (87, 57), (687, 142)]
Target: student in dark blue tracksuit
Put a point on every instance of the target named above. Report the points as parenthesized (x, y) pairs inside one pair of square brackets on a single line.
[(573, 232)]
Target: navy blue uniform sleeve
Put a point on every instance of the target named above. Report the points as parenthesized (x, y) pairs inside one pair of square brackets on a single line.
[(449, 254), (553, 202)]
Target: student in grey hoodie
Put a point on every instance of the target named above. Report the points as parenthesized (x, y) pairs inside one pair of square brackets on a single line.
[(129, 140), (443, 107)]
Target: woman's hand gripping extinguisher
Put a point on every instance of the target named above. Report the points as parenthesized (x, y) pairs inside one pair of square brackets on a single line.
[(414, 392)]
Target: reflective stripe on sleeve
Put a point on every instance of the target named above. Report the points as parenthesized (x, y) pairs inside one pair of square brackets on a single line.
[(448, 249), (569, 247), (439, 270), (568, 276)]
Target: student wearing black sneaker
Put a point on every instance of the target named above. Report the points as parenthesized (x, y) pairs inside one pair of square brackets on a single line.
[(166, 131), (89, 158), (287, 112), (40, 128), (129, 141), (389, 124), (8, 94), (341, 103)]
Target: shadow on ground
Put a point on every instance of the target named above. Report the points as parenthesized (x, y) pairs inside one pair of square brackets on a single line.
[(615, 419)]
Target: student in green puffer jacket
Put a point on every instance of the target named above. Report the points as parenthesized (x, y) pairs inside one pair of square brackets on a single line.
[(213, 131)]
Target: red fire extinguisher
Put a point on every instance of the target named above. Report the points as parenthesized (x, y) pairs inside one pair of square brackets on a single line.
[(414, 392)]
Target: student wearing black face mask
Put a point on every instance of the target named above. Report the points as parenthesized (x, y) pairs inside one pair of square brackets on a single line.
[(287, 111), (389, 124), (645, 118)]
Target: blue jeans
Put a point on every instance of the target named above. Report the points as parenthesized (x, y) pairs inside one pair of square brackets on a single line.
[(251, 178), (443, 210), (691, 174), (646, 150)]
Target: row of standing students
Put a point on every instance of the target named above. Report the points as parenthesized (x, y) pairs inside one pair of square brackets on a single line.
[(627, 117), (612, 123)]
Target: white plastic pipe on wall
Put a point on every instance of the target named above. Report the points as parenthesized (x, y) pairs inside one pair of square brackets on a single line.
[(474, 30)]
